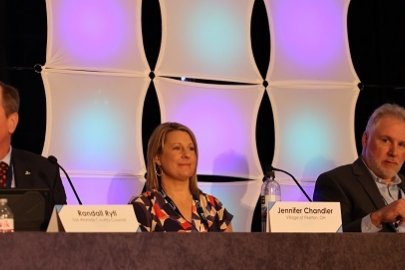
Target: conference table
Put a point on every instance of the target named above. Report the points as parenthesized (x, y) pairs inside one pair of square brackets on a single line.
[(41, 250)]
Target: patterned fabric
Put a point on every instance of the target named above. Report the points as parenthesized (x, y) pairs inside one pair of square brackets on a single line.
[(154, 213), (3, 174)]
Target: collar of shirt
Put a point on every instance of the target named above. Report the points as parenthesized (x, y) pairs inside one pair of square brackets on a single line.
[(390, 192), (7, 158), (395, 181)]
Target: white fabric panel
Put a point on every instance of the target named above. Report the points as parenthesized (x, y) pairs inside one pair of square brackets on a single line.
[(223, 118), (239, 198), (309, 42), (207, 40), (103, 189), (94, 121), (101, 35), (314, 129)]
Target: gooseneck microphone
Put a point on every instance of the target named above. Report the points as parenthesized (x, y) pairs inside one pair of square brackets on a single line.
[(54, 160), (295, 180)]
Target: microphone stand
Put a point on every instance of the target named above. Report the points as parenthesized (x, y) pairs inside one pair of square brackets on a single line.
[(54, 160), (295, 180)]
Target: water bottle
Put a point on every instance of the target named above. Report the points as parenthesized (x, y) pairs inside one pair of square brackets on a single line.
[(270, 192), (6, 217)]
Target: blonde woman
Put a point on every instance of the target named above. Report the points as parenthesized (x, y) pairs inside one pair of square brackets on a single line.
[(173, 201)]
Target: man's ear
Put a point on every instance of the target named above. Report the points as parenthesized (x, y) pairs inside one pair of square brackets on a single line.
[(12, 122), (364, 139)]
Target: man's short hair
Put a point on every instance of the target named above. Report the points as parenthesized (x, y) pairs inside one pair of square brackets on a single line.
[(11, 98), (387, 109)]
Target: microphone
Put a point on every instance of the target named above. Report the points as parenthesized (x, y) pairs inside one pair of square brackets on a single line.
[(54, 160), (295, 180)]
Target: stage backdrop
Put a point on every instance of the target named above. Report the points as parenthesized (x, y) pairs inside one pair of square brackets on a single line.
[(97, 75)]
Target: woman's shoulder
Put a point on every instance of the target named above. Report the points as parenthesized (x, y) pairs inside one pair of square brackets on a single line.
[(208, 199), (147, 196), (213, 207)]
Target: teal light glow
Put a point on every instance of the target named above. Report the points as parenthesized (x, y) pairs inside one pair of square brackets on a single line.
[(218, 37), (308, 138), (95, 130)]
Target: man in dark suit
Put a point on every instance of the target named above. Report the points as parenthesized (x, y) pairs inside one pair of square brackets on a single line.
[(371, 190), (24, 169)]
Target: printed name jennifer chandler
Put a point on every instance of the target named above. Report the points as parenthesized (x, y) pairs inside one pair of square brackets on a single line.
[(307, 210), (99, 213)]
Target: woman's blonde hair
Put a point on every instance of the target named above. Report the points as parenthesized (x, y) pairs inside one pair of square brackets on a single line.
[(155, 147)]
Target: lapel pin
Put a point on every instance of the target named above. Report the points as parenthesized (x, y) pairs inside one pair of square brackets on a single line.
[(27, 173)]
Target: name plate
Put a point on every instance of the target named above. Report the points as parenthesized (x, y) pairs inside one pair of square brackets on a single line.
[(304, 217), (93, 218)]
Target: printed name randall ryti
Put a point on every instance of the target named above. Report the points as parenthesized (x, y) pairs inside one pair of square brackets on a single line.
[(98, 213)]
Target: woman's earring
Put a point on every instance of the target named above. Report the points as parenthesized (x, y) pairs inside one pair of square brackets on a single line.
[(158, 170)]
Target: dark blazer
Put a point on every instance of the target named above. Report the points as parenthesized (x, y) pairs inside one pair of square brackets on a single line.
[(34, 171), (353, 186)]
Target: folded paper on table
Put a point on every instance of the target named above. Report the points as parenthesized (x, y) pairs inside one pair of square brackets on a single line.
[(93, 218), (304, 217)]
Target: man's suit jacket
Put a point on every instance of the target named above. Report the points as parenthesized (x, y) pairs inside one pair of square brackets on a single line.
[(353, 186), (34, 171)]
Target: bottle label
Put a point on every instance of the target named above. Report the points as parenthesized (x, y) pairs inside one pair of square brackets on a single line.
[(6, 225), (271, 198)]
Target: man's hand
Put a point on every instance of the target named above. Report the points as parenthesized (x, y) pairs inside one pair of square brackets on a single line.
[(394, 212)]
